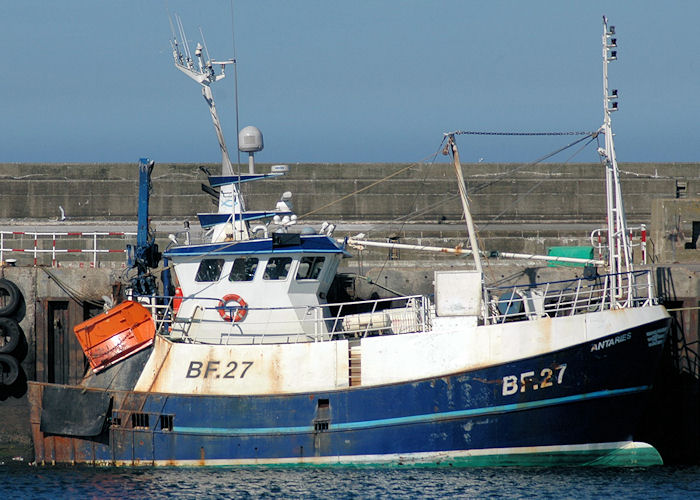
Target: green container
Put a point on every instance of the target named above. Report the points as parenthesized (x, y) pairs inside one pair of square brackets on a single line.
[(576, 252)]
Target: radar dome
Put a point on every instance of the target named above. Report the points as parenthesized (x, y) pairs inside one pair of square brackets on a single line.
[(250, 140)]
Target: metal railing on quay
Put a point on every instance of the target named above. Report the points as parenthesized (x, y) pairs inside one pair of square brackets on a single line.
[(48, 248)]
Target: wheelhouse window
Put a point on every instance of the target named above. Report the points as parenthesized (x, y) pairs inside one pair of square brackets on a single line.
[(243, 269), (310, 268), (209, 270), (277, 268)]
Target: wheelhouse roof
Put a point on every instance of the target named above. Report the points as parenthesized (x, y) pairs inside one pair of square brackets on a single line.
[(307, 244)]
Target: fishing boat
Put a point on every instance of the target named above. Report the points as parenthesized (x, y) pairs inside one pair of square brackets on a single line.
[(249, 363)]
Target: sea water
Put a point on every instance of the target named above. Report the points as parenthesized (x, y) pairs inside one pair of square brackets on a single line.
[(23, 481)]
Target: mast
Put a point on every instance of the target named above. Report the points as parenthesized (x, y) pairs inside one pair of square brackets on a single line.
[(619, 248), (465, 202), (203, 72)]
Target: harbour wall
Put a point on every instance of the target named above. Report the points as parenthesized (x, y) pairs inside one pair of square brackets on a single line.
[(382, 191), (517, 208)]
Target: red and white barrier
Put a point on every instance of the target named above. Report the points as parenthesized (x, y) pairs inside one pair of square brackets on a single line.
[(95, 238)]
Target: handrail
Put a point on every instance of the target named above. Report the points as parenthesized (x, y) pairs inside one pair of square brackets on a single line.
[(413, 316), (414, 313), (572, 296)]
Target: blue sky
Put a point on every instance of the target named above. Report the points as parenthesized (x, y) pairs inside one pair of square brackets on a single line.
[(331, 81)]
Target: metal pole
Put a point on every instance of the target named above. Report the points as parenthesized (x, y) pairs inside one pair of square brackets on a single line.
[(465, 203)]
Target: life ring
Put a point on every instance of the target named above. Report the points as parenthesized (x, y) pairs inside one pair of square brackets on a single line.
[(241, 310), (9, 369), (9, 335), (177, 300), (9, 297)]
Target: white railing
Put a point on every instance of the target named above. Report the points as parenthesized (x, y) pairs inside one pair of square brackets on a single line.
[(44, 245), (313, 323), (569, 297), (395, 316)]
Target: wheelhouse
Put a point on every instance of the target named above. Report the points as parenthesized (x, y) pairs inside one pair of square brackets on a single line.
[(237, 291)]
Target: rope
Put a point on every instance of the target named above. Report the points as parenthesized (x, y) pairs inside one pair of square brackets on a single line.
[(538, 184), (499, 177), (403, 224), (400, 171), (70, 291)]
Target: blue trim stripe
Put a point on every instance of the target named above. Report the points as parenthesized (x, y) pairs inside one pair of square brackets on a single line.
[(309, 244), (221, 180), (212, 219), (415, 419)]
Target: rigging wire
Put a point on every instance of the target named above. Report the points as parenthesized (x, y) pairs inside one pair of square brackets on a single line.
[(472, 132), (401, 226), (499, 177), (358, 191), (536, 185)]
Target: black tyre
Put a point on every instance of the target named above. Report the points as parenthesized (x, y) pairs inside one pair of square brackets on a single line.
[(9, 297), (9, 369), (9, 335)]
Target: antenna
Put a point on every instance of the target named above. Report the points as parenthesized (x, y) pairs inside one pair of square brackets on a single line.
[(620, 255), (235, 85), (188, 56), (206, 49), (205, 75)]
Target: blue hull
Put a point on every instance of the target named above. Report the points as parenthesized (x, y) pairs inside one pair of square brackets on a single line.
[(571, 406)]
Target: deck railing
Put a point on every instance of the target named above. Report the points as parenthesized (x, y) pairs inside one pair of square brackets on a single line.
[(313, 323), (569, 297), (394, 316)]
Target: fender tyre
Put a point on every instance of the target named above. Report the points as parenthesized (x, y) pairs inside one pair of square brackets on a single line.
[(9, 335), (9, 297), (9, 369)]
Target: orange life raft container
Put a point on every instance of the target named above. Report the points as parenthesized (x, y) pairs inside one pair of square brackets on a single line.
[(115, 335)]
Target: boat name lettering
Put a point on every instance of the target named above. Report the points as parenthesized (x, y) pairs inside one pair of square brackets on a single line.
[(599, 346), (216, 369), (526, 382)]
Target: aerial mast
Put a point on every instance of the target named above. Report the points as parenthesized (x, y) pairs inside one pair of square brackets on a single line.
[(202, 72), (619, 251)]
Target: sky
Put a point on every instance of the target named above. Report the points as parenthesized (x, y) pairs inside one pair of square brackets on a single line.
[(362, 81)]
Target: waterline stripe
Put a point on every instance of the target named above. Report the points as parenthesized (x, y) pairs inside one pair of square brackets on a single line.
[(624, 453), (414, 419)]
